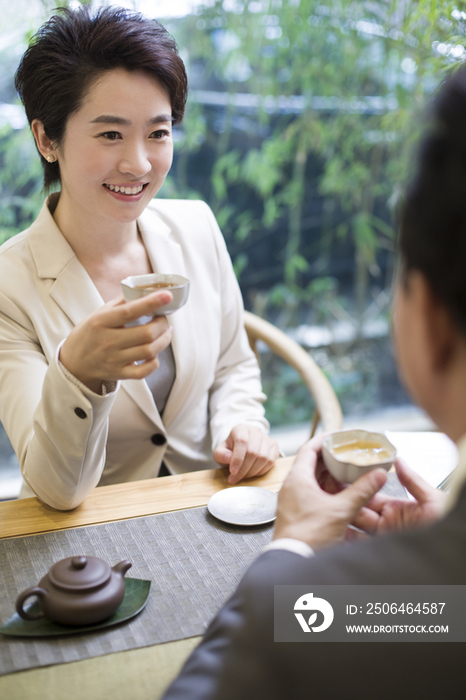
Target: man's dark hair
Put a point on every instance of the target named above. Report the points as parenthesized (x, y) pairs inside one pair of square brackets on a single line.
[(74, 47), (433, 220)]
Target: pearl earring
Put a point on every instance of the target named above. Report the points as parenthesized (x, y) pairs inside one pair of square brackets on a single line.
[(50, 159)]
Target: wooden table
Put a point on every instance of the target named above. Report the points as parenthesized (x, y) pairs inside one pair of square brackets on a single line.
[(137, 674)]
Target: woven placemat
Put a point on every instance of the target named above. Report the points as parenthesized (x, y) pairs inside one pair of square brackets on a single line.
[(193, 560)]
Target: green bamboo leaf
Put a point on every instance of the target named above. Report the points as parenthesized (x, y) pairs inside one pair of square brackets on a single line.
[(136, 595)]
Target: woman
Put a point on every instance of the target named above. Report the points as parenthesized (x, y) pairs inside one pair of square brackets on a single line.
[(101, 92)]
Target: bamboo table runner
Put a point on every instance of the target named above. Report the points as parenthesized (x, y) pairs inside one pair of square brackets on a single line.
[(132, 499)]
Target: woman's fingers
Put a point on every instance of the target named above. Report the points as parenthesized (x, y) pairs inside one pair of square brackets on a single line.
[(141, 370), (252, 453), (143, 335), (120, 312), (102, 347), (118, 360), (258, 463)]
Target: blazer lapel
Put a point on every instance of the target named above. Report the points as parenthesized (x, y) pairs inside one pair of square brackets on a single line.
[(72, 288), (166, 257), (76, 294)]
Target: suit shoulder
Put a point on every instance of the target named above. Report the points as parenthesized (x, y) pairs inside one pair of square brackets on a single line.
[(190, 219), (12, 243), (171, 206), (15, 260), (179, 213)]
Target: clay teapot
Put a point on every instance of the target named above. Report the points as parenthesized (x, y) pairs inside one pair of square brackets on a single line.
[(77, 591)]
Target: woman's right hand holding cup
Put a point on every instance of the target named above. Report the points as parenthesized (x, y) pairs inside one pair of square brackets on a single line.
[(104, 348)]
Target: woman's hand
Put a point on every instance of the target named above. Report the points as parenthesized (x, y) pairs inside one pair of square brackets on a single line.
[(386, 514), (101, 348), (248, 451)]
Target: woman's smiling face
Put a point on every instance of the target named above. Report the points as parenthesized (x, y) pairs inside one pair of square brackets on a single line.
[(117, 148)]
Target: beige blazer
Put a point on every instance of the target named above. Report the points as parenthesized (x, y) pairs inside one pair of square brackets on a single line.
[(69, 439)]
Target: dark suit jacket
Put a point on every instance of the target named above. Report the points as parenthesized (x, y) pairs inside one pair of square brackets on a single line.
[(238, 659)]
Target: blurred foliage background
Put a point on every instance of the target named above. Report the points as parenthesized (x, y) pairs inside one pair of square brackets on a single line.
[(299, 133)]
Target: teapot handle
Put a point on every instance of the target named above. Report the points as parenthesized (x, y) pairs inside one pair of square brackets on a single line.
[(21, 599)]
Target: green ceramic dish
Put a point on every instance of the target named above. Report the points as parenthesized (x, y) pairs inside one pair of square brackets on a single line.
[(136, 595)]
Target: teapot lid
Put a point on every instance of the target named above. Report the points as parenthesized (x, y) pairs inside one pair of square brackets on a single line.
[(79, 573)]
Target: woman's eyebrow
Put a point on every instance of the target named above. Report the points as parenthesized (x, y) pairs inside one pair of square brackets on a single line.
[(110, 119), (161, 118)]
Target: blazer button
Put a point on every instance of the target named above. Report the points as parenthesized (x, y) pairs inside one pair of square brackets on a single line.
[(80, 413), (158, 439)]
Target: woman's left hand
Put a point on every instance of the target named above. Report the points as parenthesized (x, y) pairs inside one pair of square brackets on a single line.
[(248, 451)]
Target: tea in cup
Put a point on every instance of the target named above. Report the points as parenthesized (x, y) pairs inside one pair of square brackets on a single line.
[(138, 286), (349, 453)]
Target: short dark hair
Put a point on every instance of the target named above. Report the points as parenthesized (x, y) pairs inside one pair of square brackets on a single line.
[(433, 219), (74, 47)]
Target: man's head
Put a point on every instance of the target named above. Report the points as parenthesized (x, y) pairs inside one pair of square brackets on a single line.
[(430, 305), (433, 223)]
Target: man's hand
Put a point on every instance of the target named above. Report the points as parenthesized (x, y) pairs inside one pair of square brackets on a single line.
[(387, 514), (248, 451), (316, 516)]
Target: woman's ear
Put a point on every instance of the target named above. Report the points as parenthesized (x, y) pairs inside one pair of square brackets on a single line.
[(44, 145)]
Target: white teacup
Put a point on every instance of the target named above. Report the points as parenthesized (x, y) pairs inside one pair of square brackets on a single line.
[(349, 453), (137, 286)]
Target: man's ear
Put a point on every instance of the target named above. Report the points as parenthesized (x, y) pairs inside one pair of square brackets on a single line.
[(441, 336), (44, 145)]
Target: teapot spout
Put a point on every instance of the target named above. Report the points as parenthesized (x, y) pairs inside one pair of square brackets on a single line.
[(122, 567)]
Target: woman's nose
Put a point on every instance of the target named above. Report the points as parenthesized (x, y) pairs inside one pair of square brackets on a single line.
[(135, 161)]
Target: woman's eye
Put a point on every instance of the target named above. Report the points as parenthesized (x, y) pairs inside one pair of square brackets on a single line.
[(160, 134), (111, 135)]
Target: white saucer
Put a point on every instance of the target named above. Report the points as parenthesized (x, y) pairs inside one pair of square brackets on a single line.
[(244, 505)]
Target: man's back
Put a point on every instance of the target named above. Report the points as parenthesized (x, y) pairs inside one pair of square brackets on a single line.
[(238, 659)]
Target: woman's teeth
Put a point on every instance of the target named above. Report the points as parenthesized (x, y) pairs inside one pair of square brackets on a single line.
[(125, 190)]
